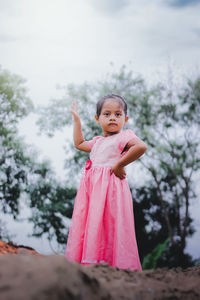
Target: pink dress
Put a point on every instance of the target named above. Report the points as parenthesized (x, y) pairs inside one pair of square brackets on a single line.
[(102, 227)]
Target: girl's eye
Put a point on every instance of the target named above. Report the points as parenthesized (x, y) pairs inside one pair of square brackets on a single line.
[(106, 114), (118, 114)]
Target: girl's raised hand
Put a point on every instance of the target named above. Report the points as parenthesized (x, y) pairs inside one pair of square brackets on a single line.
[(118, 171), (74, 111)]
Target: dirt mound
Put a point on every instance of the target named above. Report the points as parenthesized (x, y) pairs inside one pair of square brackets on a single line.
[(52, 277), (6, 248)]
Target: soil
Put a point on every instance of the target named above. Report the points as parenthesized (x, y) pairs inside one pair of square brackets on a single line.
[(26, 274)]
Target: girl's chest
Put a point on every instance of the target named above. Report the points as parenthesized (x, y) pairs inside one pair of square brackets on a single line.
[(106, 148)]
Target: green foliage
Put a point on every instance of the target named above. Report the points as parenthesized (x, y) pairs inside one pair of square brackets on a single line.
[(14, 162), (150, 260), (190, 103), (148, 215), (51, 204), (21, 173), (13, 91), (14, 167), (4, 234)]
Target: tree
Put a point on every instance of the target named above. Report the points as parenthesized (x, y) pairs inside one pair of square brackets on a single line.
[(21, 173), (51, 203), (166, 119), (13, 161)]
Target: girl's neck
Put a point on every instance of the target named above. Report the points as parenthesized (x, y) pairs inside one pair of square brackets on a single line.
[(108, 134)]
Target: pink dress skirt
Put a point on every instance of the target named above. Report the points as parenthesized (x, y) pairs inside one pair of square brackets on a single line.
[(102, 227)]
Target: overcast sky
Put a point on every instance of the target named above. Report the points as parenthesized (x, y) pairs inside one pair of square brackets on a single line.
[(62, 41)]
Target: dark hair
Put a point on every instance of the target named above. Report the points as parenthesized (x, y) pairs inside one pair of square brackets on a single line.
[(112, 96)]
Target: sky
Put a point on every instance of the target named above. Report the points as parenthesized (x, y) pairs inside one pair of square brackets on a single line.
[(57, 42)]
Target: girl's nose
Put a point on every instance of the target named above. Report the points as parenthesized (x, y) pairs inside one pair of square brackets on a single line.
[(112, 117)]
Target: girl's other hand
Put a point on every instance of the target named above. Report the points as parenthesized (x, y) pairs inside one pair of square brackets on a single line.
[(118, 171), (74, 111)]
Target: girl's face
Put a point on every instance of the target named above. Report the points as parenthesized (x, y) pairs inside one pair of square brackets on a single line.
[(112, 117)]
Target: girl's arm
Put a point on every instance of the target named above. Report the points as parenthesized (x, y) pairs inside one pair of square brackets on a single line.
[(136, 148), (79, 141)]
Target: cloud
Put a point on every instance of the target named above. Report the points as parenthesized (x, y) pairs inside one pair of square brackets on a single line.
[(10, 8), (109, 6), (182, 3), (196, 31), (7, 38)]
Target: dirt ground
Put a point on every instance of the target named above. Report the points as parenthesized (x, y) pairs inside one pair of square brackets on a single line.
[(25, 274)]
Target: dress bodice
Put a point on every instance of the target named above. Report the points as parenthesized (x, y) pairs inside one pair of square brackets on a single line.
[(106, 151)]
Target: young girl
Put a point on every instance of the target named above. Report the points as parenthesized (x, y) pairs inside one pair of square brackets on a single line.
[(102, 227)]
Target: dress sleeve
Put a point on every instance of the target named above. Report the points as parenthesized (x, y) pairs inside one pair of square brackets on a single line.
[(125, 137), (93, 141)]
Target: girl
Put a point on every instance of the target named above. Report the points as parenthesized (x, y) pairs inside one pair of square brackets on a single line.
[(102, 227)]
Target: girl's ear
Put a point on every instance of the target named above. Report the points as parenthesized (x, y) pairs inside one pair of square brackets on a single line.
[(96, 118), (126, 119)]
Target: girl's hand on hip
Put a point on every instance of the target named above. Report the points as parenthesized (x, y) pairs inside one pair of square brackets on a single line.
[(74, 111), (118, 171)]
